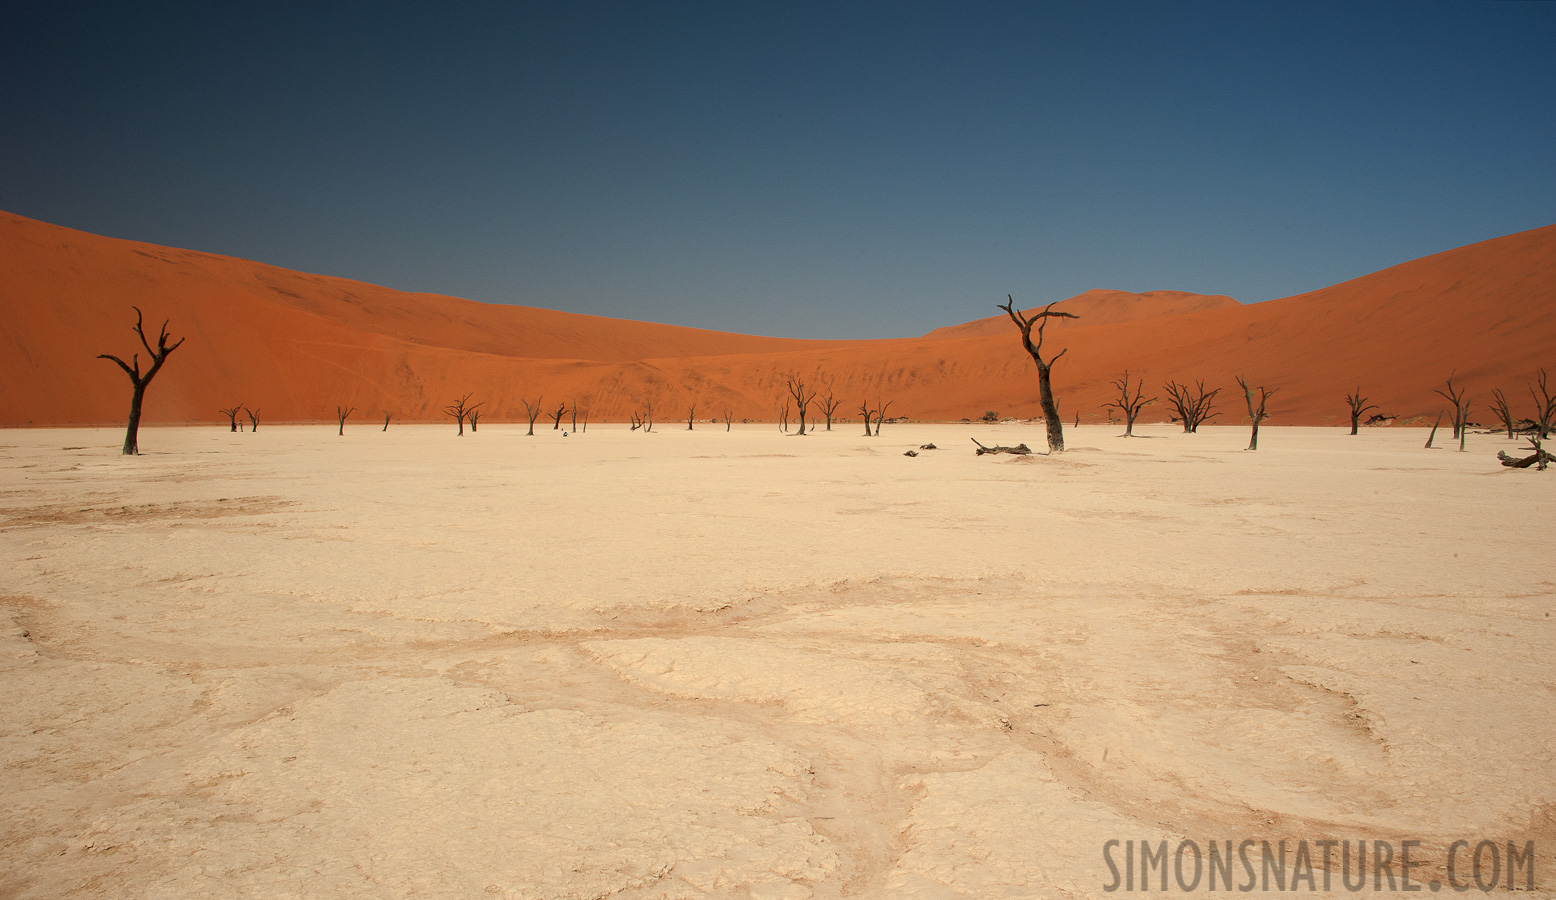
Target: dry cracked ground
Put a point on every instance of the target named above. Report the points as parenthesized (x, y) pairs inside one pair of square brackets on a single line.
[(742, 664)]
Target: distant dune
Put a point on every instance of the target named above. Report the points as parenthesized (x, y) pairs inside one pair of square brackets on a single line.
[(295, 345)]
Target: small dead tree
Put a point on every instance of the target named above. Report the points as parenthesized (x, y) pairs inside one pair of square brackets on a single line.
[(556, 417), (532, 410), (783, 418), (475, 418), (691, 416), (575, 416), (1358, 405), (1045, 391), (253, 415), (648, 417), (828, 405), (1256, 414), (159, 355), (1194, 404), (1461, 405), (864, 410), (232, 415), (341, 412), (729, 418), (1502, 411), (460, 410), (880, 414), (1544, 406), (387, 415), (1127, 403), (1433, 434), (802, 399)]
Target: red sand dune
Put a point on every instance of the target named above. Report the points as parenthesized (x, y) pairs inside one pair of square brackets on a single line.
[(295, 345)]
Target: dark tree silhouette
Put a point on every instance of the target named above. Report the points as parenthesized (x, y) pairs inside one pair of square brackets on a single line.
[(864, 410), (691, 416), (880, 414), (460, 410), (1194, 405), (253, 415), (1432, 435), (1256, 414), (1502, 411), (386, 420), (533, 410), (1045, 391), (575, 416), (556, 417), (729, 418), (802, 399), (1128, 403), (475, 418), (1358, 405), (341, 412), (1461, 405), (159, 355), (828, 404), (232, 416), (1545, 407), (783, 417)]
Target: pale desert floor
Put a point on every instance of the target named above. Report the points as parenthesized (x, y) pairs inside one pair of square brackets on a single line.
[(715, 664)]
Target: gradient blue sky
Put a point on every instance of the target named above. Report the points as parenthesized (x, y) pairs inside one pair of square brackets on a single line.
[(796, 169)]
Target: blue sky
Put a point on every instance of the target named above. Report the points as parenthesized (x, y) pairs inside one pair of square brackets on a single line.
[(795, 169)]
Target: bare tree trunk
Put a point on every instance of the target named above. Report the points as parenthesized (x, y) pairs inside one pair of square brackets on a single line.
[(232, 416), (1045, 391), (691, 416), (864, 410), (556, 417), (341, 413), (1255, 414), (386, 421), (253, 415), (1460, 406), (880, 414), (159, 355), (1433, 435)]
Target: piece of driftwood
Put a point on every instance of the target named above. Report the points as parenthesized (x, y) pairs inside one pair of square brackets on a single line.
[(1019, 449), (1539, 459)]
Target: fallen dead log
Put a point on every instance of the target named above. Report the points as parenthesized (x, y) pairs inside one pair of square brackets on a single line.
[(1019, 449), (1514, 462)]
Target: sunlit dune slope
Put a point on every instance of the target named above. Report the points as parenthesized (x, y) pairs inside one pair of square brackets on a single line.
[(295, 346)]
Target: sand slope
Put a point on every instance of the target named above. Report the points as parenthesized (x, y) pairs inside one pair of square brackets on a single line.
[(296, 346)]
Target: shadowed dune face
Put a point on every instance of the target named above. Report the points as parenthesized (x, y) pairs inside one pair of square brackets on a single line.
[(294, 345)]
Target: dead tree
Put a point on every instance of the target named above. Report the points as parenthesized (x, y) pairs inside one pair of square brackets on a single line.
[(575, 417), (556, 417), (802, 399), (159, 355), (1256, 414), (532, 410), (648, 417), (729, 418), (1045, 391), (828, 405), (783, 418), (1194, 405), (253, 415), (1461, 406), (586, 419), (1538, 459), (459, 410), (1127, 403), (880, 414), (475, 418), (1358, 405), (1431, 436), (691, 416), (232, 416), (1502, 411), (341, 412), (1544, 406), (864, 410), (386, 419)]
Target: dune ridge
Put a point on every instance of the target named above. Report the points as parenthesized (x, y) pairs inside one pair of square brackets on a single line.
[(295, 345)]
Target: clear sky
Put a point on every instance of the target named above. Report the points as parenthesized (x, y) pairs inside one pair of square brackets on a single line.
[(796, 169)]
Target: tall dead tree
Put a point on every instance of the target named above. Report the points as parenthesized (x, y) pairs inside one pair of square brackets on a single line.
[(1544, 407), (1045, 391), (1127, 403), (1358, 405), (864, 410), (1503, 412), (1194, 404), (1256, 414), (232, 416), (341, 412), (159, 355), (575, 416), (253, 415), (802, 399), (459, 410), (556, 417), (1461, 405), (691, 416), (532, 410)]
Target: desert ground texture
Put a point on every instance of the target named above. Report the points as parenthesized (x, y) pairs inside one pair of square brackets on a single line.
[(738, 664)]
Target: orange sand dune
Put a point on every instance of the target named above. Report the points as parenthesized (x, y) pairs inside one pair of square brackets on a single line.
[(295, 346)]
